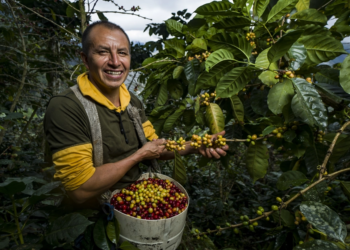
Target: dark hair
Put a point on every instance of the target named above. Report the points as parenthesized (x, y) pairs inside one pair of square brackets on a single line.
[(85, 40)]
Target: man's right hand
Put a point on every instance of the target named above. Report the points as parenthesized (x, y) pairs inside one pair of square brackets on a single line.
[(152, 150)]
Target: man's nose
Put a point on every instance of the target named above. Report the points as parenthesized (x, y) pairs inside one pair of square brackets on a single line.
[(114, 60)]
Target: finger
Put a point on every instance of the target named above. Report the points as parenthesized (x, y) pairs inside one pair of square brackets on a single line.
[(225, 147), (214, 153), (160, 141), (208, 153), (221, 152), (222, 133), (203, 152)]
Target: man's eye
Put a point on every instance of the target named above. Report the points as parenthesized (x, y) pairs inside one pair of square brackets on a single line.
[(103, 52)]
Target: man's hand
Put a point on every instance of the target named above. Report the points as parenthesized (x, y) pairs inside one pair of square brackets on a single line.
[(211, 152), (153, 149)]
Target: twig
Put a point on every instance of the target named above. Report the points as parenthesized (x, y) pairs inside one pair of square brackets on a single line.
[(125, 13), (281, 34), (244, 140), (48, 20), (163, 60), (132, 81), (26, 126), (269, 33), (331, 147), (325, 4), (71, 76), (4, 151), (71, 5)]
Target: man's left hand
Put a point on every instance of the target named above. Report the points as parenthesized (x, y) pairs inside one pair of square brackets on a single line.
[(211, 152)]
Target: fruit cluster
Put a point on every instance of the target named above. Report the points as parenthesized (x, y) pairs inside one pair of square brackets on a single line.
[(285, 74), (245, 222), (207, 140), (205, 98), (150, 199), (252, 138), (319, 136), (178, 145), (250, 36), (201, 58), (299, 217)]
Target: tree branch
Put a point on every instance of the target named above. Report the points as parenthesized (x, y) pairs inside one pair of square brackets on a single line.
[(124, 13)]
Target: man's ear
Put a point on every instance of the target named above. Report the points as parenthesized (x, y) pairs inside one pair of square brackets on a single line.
[(85, 59)]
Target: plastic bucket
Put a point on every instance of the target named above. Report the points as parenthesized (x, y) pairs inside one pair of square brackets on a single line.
[(164, 234)]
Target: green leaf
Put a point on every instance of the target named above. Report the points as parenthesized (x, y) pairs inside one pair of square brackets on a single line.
[(113, 231), (179, 172), (215, 118), (262, 62), (69, 11), (313, 29), (259, 101), (15, 185), (346, 188), (210, 79), (307, 104), (217, 57), (280, 9), (313, 157), (233, 23), (340, 148), (170, 121), (310, 16), (100, 237), (268, 130), (175, 89), (4, 242), (148, 60), (8, 227), (234, 81), (198, 45), (279, 96), (215, 8), (322, 48), (177, 44), (302, 5), (127, 246), (287, 218), (290, 179), (316, 245), (260, 7), (283, 45), (344, 75), (200, 119), (177, 72), (324, 219), (334, 92), (162, 94), (268, 78), (235, 43), (67, 228), (238, 108), (297, 55), (257, 160), (101, 16), (174, 27), (53, 14), (191, 72), (316, 193)]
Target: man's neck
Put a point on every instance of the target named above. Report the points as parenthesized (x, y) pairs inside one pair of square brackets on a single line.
[(111, 94)]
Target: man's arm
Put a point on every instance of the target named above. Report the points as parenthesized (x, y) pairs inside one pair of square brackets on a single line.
[(108, 174), (203, 150)]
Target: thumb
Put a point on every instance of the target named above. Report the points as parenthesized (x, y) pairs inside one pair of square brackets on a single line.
[(160, 141), (222, 133)]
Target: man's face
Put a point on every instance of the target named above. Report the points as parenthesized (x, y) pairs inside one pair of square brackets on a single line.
[(108, 60)]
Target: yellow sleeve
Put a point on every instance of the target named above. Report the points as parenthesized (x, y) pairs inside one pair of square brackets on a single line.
[(150, 132), (74, 166)]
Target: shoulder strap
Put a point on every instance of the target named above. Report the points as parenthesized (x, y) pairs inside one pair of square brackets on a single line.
[(95, 125), (136, 119)]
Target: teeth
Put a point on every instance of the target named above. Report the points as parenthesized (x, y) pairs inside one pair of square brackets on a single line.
[(114, 73)]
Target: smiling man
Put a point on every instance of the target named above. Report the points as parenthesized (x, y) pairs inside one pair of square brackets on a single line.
[(106, 55)]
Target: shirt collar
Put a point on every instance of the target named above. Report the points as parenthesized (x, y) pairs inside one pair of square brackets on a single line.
[(88, 89)]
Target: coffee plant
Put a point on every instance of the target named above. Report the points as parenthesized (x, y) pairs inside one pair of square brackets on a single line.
[(261, 71), (272, 73)]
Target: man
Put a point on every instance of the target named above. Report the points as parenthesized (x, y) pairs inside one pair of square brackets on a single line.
[(106, 55)]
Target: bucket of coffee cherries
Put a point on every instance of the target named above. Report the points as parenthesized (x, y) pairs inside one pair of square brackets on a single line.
[(151, 199)]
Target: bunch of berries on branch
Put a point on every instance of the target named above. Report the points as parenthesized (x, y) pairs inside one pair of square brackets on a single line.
[(178, 145), (199, 57), (207, 140), (150, 199), (206, 97)]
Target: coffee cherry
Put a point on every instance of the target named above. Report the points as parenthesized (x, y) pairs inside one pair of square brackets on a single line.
[(311, 231), (278, 199), (267, 218), (259, 212), (255, 224), (301, 242), (245, 223), (236, 230), (274, 207), (254, 137)]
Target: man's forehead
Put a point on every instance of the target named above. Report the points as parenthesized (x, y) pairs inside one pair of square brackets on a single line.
[(101, 34)]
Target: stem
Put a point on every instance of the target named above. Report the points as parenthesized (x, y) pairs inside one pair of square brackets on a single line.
[(269, 32), (132, 81), (83, 22), (26, 126), (331, 147), (17, 222), (163, 60)]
